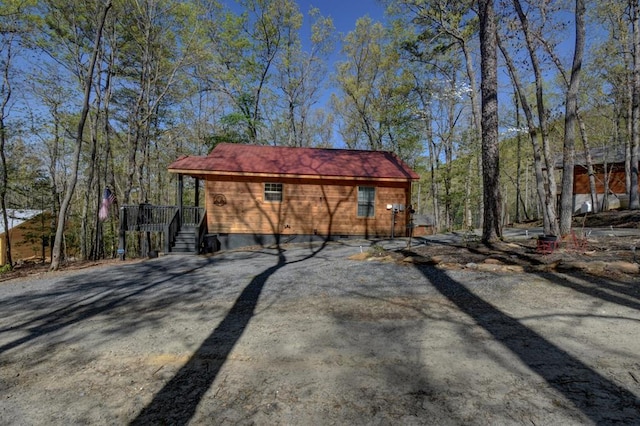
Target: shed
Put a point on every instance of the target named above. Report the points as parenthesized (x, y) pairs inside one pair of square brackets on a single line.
[(256, 194)]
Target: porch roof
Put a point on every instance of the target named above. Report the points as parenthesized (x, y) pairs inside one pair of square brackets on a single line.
[(261, 160)]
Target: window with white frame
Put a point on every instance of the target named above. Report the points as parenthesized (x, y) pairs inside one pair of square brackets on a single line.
[(273, 192), (366, 201)]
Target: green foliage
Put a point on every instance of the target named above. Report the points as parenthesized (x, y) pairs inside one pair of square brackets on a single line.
[(177, 78), (376, 250), (376, 107), (233, 130)]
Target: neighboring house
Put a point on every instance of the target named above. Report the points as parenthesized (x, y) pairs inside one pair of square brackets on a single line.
[(29, 231), (608, 167), (262, 194), (423, 224)]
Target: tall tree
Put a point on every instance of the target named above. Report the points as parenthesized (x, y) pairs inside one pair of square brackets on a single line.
[(570, 122), (8, 35), (550, 194), (160, 40), (15, 23), (449, 29), (492, 226), (301, 77), (634, 197), (377, 106), (87, 83), (49, 124), (246, 48), (442, 26), (448, 108)]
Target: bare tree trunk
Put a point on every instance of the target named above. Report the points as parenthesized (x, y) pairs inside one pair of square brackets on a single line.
[(108, 171), (85, 229), (624, 115), (476, 114), (634, 199), (570, 121), (54, 155), (448, 158), (606, 174), (491, 228), (568, 82), (541, 179), (587, 155), (6, 96), (64, 207), (435, 193), (550, 181), (468, 214)]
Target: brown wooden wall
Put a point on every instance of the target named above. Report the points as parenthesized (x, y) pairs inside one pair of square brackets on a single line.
[(308, 208), (26, 239), (616, 179)]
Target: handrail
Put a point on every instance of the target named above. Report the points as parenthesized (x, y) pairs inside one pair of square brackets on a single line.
[(147, 217), (171, 230), (192, 216), (201, 231)]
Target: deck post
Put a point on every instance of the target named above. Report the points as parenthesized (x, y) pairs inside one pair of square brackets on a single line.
[(180, 191), (122, 240), (144, 219), (196, 202)]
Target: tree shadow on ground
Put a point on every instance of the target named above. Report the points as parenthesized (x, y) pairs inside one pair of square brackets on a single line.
[(177, 401), (598, 398), (620, 293), (602, 284), (610, 290), (61, 308)]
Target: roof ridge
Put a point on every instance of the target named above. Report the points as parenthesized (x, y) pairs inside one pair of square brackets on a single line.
[(250, 159), (305, 147)]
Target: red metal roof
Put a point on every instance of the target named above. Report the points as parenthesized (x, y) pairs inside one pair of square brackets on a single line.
[(311, 162)]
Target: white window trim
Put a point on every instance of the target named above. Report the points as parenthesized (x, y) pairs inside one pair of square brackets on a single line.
[(273, 190), (372, 210)]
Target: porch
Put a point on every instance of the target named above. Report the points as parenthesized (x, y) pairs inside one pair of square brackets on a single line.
[(183, 228)]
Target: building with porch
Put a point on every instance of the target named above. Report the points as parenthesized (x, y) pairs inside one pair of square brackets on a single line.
[(260, 195)]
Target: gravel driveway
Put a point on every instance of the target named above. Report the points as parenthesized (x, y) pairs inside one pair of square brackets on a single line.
[(304, 335)]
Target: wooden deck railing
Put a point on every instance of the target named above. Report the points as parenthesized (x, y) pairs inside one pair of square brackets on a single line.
[(171, 230), (192, 216), (167, 219), (147, 217)]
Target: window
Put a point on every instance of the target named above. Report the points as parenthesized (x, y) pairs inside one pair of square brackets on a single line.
[(366, 201), (273, 192)]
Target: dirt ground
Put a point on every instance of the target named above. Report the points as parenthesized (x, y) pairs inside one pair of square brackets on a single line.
[(354, 332), (602, 256), (596, 250)]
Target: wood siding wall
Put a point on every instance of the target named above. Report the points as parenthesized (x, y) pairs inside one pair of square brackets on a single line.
[(26, 239), (616, 179), (327, 208)]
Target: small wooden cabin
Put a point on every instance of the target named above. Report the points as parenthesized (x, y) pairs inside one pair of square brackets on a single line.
[(261, 194), (30, 232)]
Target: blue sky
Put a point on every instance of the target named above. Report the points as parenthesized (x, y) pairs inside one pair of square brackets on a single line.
[(345, 13)]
